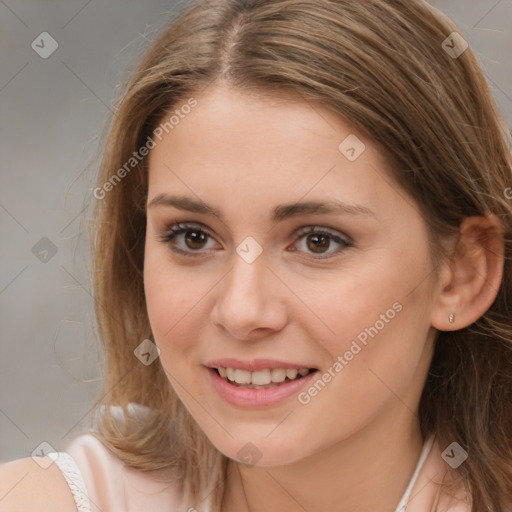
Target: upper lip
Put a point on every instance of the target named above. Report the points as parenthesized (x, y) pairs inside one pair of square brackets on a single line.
[(254, 365)]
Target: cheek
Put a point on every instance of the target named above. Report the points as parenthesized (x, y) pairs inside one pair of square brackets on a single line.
[(176, 299), (378, 317), (168, 298), (345, 307), (382, 329)]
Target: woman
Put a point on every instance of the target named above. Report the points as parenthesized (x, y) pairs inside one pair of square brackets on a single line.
[(302, 271)]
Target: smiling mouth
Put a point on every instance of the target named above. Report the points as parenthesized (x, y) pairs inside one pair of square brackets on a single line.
[(262, 379)]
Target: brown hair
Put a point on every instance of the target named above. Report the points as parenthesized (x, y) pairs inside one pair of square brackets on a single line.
[(381, 65)]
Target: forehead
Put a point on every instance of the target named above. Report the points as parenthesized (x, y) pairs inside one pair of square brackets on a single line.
[(247, 148)]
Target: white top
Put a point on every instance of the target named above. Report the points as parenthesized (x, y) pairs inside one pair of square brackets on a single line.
[(402, 505), (73, 476)]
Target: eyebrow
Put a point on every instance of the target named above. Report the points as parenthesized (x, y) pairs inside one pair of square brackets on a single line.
[(279, 213)]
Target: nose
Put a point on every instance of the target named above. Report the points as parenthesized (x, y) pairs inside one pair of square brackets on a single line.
[(251, 301)]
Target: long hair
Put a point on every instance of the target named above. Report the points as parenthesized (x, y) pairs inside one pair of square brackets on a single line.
[(389, 68)]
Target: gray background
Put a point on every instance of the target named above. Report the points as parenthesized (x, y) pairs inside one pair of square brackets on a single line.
[(52, 112)]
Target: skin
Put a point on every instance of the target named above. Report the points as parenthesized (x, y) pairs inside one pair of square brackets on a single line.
[(355, 445)]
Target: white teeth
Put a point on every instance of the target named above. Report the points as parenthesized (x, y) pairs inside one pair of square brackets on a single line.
[(278, 375), (261, 378), (291, 374), (242, 377)]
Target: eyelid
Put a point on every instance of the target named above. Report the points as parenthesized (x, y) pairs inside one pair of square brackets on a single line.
[(175, 229), (344, 241), (314, 228)]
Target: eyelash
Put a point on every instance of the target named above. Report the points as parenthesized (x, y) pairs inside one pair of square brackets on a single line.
[(173, 231)]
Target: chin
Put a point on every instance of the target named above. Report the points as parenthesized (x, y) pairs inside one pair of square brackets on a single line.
[(260, 452)]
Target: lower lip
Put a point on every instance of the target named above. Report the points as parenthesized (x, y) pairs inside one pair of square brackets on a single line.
[(250, 397)]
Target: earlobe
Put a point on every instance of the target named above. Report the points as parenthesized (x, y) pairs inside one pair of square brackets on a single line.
[(474, 276)]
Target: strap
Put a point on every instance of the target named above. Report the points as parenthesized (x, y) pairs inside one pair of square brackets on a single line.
[(424, 454), (72, 474)]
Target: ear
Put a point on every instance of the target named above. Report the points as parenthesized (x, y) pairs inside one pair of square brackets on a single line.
[(470, 282)]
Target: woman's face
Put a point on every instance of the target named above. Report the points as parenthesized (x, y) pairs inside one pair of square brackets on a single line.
[(275, 283)]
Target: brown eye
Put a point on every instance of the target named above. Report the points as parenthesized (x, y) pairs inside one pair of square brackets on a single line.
[(319, 240), (195, 239), (318, 243)]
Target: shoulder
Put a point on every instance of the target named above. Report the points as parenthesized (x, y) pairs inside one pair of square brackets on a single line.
[(29, 485), (112, 485)]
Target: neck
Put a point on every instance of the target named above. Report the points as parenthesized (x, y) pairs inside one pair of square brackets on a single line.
[(368, 471)]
